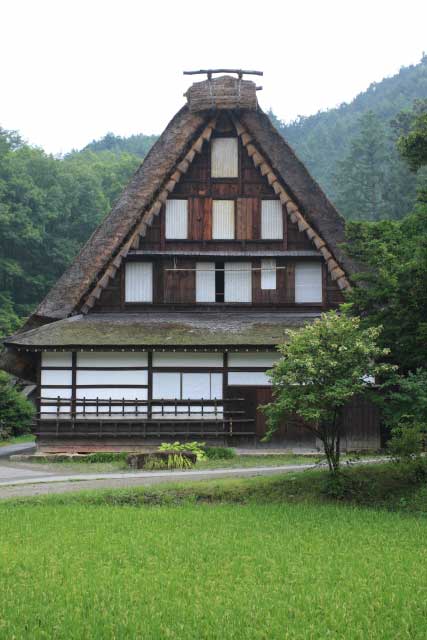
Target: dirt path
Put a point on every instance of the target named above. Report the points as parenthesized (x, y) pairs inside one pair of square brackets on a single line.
[(41, 484)]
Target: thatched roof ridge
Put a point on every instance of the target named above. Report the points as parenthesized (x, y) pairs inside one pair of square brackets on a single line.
[(66, 294), (312, 201), (224, 92)]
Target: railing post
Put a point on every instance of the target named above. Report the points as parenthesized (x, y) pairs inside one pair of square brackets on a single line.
[(97, 406), (58, 406), (123, 407), (109, 407), (84, 406)]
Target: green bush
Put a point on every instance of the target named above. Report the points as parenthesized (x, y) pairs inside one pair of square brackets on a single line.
[(16, 412), (219, 453), (193, 447), (407, 440)]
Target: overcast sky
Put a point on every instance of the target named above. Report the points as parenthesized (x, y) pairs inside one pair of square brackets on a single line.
[(72, 70)]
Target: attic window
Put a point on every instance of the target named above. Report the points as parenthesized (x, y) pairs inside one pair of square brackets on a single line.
[(176, 219), (139, 282), (224, 158), (271, 220)]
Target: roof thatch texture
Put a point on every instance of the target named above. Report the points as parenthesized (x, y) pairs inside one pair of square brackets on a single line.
[(167, 330), (224, 92), (146, 182)]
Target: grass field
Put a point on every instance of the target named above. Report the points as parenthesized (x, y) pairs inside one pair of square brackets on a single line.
[(260, 558), (28, 437)]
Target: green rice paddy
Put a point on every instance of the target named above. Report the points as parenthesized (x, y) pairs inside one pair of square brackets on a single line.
[(89, 567)]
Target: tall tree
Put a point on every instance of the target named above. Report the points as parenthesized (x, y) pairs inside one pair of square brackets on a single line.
[(361, 176)]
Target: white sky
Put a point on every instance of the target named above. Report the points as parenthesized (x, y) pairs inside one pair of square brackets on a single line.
[(71, 70)]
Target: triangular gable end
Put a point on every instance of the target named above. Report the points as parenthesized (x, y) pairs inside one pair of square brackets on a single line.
[(265, 169), (147, 216)]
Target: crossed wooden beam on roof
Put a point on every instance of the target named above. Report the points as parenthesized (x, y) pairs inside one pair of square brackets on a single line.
[(209, 72)]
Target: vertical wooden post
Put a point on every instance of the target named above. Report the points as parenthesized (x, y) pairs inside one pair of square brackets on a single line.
[(73, 384), (150, 384), (224, 380)]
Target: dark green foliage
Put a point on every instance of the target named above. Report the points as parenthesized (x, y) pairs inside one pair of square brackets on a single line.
[(48, 209), (412, 144), (219, 453), (138, 145), (330, 141), (16, 412), (394, 281)]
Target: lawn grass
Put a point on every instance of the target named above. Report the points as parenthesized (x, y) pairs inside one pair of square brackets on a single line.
[(28, 437), (80, 569)]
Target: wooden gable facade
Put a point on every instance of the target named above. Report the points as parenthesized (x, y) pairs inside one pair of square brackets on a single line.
[(165, 325)]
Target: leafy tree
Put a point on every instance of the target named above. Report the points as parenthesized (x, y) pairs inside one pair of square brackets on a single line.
[(412, 144), (361, 178), (16, 412), (324, 365), (48, 209), (393, 291)]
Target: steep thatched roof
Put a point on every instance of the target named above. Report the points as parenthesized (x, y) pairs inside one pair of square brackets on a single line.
[(66, 294), (66, 297), (167, 330)]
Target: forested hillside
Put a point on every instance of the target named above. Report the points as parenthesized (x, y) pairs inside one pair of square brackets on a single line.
[(351, 150), (49, 206)]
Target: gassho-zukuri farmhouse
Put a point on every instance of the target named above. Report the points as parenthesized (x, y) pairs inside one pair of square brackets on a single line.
[(167, 320)]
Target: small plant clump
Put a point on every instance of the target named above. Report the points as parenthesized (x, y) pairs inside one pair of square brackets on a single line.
[(220, 453), (192, 447)]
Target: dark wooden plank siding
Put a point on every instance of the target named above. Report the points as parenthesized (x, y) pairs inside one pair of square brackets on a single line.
[(362, 425), (179, 286)]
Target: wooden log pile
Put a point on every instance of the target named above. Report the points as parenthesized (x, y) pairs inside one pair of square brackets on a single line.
[(224, 92)]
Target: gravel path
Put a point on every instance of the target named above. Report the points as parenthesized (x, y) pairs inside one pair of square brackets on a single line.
[(40, 483)]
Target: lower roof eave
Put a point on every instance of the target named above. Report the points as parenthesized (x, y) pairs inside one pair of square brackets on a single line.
[(162, 331)]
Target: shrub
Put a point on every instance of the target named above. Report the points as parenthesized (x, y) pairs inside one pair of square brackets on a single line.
[(193, 447), (219, 453), (16, 412), (407, 439)]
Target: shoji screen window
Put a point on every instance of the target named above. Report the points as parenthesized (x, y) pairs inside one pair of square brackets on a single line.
[(237, 282), (176, 227), (224, 158), (308, 282), (223, 219), (139, 282), (268, 274), (205, 282), (271, 220)]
